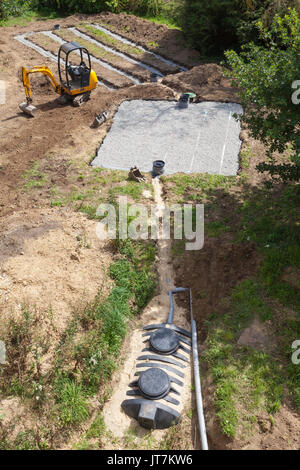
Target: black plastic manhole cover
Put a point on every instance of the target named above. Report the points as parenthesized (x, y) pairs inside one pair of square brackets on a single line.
[(154, 383), (164, 341)]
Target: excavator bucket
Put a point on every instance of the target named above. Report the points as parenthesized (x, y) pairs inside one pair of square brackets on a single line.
[(28, 109)]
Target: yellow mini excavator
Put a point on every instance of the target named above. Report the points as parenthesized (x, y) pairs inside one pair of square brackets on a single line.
[(76, 81)]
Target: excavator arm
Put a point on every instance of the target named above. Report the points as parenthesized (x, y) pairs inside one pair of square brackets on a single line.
[(27, 107), (38, 69)]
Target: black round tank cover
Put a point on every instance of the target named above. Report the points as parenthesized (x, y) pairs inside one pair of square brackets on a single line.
[(154, 383), (164, 341)]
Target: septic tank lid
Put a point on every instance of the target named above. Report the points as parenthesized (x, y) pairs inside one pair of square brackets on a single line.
[(164, 341)]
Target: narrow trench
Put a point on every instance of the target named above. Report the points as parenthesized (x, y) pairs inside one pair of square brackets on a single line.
[(155, 312), (22, 38), (95, 59)]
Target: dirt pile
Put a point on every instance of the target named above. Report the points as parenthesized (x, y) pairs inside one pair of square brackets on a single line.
[(207, 81)]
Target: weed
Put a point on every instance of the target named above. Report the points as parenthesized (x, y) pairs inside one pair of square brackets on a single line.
[(69, 395), (97, 428), (34, 178), (216, 228)]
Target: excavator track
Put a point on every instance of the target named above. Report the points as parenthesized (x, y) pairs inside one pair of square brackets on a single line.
[(78, 100)]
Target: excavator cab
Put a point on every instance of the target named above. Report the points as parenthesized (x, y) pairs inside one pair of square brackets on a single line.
[(74, 78), (75, 81)]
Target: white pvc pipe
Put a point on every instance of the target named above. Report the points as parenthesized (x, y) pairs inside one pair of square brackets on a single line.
[(201, 419)]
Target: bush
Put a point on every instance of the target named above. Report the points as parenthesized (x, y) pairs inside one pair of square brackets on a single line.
[(214, 26), (14, 7), (142, 7), (265, 75), (72, 6)]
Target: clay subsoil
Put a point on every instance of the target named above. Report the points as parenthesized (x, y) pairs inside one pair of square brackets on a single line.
[(41, 261)]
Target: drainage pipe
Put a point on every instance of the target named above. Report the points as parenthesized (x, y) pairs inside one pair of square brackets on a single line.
[(201, 419), (171, 292)]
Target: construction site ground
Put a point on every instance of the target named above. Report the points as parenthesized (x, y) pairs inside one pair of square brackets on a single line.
[(53, 264)]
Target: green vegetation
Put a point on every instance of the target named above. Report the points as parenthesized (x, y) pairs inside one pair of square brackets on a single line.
[(88, 351), (271, 221), (34, 178), (204, 184), (249, 382)]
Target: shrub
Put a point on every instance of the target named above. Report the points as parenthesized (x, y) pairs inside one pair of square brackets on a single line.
[(265, 75)]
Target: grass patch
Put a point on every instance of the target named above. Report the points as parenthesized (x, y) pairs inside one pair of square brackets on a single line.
[(271, 220), (204, 185), (216, 228), (73, 408), (28, 16), (248, 381), (34, 178), (110, 41), (131, 189), (162, 19)]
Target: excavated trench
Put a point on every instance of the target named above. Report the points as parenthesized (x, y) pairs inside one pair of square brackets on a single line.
[(134, 73)]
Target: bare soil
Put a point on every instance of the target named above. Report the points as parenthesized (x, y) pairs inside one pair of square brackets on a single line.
[(207, 81), (105, 75), (155, 37), (135, 53)]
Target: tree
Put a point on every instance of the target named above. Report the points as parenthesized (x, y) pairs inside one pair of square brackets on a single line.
[(215, 25), (267, 76)]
